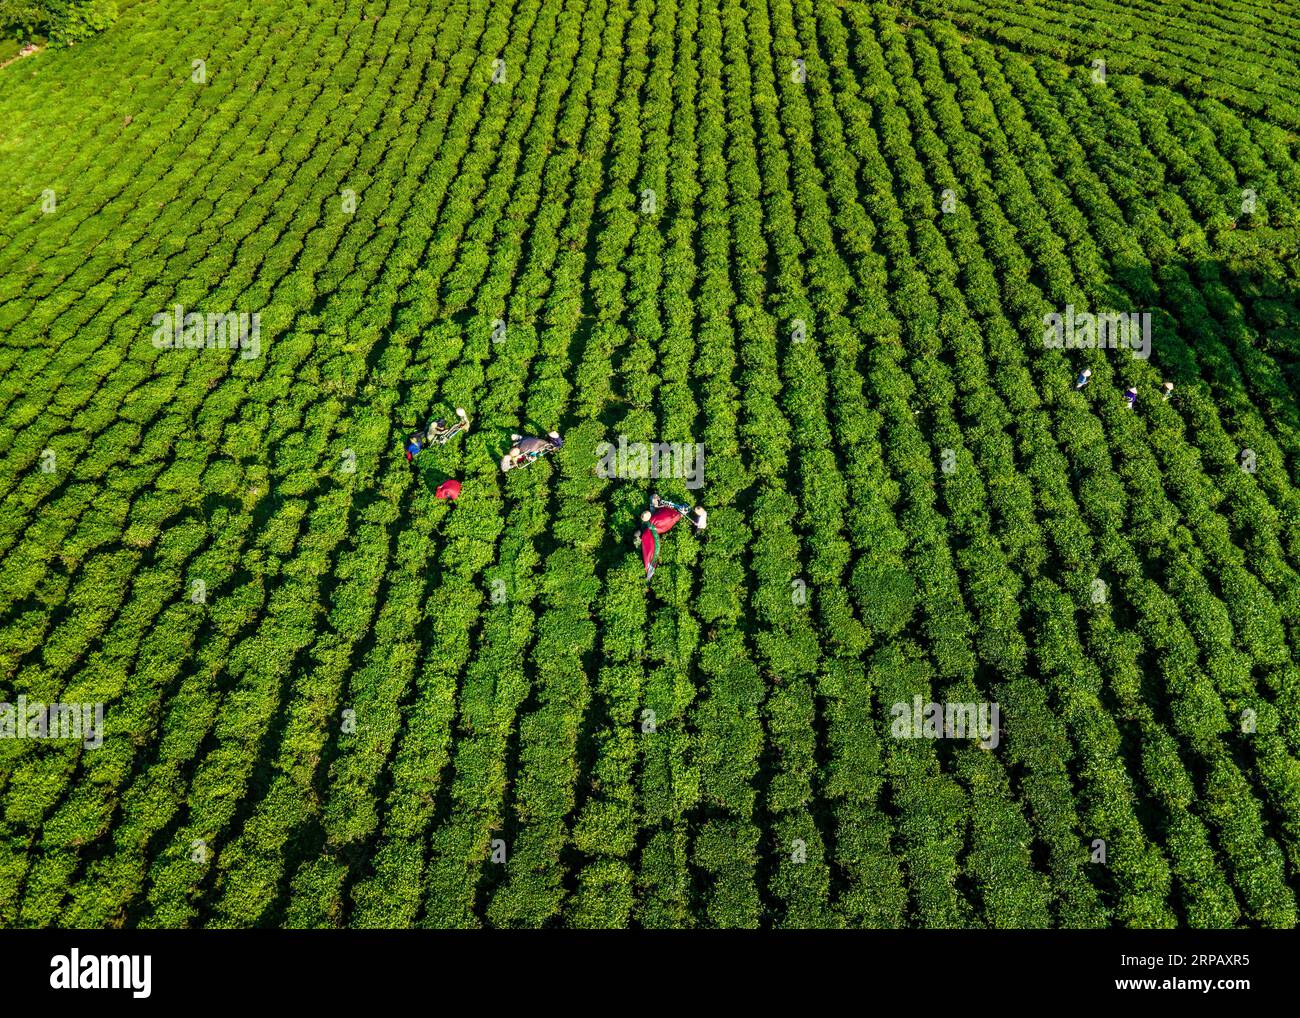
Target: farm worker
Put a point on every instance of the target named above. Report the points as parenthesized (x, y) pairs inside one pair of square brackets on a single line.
[(1132, 396), (440, 432), (449, 488), (525, 450), (657, 523), (1169, 390), (437, 431), (1084, 377)]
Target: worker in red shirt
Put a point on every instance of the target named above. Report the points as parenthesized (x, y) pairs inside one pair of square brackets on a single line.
[(659, 522)]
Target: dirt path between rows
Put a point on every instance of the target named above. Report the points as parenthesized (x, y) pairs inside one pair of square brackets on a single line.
[(26, 51)]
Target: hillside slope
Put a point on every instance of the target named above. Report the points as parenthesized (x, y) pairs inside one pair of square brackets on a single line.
[(818, 238)]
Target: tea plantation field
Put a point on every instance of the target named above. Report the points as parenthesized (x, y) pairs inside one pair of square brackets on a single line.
[(820, 239)]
